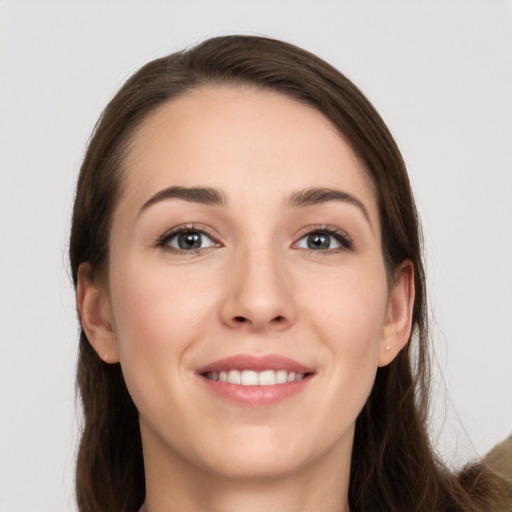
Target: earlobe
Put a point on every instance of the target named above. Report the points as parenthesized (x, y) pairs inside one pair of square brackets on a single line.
[(95, 312), (398, 323)]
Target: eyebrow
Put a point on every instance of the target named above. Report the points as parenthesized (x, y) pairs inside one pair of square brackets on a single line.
[(313, 196), (203, 195), (216, 197)]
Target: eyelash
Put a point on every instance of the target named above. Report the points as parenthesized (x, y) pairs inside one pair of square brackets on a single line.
[(346, 243), (163, 241), (340, 236)]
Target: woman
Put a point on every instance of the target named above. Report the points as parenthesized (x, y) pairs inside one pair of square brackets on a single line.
[(247, 258)]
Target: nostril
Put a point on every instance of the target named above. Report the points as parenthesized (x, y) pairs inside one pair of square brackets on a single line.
[(242, 320)]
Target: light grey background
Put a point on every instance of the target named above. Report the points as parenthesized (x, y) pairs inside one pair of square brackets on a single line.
[(440, 73)]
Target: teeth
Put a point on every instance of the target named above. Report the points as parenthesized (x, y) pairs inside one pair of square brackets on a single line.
[(253, 378), (249, 378), (281, 376), (267, 378), (234, 376)]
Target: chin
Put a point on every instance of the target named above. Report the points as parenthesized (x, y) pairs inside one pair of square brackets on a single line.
[(264, 453), (256, 464)]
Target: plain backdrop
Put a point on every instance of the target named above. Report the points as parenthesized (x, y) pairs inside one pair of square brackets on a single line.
[(439, 72)]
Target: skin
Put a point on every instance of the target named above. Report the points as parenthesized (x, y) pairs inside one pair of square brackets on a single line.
[(253, 288)]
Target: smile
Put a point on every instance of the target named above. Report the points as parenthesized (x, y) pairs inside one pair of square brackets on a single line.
[(256, 381), (255, 378)]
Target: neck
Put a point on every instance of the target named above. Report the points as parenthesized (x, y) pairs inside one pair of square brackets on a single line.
[(175, 485), (292, 494)]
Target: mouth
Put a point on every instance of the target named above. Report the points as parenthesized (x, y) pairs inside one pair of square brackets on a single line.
[(256, 380)]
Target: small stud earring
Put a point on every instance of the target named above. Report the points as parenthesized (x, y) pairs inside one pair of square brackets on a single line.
[(106, 357), (388, 347)]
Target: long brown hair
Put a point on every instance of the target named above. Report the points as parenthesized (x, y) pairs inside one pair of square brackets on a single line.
[(393, 465)]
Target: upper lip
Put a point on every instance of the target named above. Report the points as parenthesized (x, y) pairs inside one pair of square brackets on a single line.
[(257, 363)]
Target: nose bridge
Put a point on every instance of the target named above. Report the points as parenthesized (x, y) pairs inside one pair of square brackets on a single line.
[(259, 292)]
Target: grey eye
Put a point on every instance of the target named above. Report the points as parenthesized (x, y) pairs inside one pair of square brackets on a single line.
[(318, 242), (190, 240)]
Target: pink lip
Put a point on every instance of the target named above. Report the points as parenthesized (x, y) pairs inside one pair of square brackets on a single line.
[(255, 396), (256, 363)]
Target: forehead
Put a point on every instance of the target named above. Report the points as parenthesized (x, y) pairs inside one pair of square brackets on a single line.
[(244, 140)]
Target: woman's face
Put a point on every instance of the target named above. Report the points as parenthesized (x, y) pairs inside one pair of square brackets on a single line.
[(247, 245)]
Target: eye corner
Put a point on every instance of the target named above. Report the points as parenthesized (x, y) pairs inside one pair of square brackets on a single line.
[(187, 239), (326, 240)]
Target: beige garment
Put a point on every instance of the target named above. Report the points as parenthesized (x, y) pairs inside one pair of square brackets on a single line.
[(500, 458)]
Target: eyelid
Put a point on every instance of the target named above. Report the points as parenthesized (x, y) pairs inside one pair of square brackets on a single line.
[(344, 239), (162, 240)]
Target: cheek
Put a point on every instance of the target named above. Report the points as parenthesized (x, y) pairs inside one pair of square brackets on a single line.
[(348, 317), (157, 309), (353, 346), (350, 308), (157, 316)]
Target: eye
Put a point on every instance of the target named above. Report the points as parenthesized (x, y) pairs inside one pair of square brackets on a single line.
[(325, 239), (186, 239)]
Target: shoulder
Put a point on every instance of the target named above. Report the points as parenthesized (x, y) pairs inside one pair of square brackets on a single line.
[(500, 458)]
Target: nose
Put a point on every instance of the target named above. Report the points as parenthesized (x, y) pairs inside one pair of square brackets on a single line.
[(259, 292)]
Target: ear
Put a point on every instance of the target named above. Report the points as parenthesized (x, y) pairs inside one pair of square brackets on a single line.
[(398, 322), (93, 305)]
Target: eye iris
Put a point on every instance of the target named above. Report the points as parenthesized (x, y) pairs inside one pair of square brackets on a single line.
[(189, 241), (319, 241)]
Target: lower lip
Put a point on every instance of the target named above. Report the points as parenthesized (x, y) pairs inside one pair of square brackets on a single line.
[(256, 396)]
